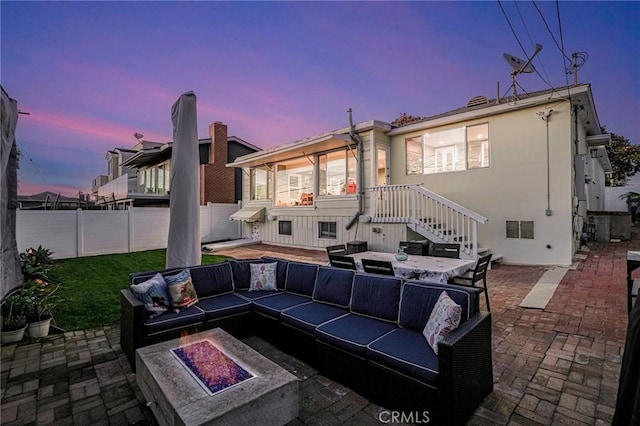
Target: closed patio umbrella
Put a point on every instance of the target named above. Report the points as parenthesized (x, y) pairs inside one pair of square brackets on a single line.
[(183, 245)]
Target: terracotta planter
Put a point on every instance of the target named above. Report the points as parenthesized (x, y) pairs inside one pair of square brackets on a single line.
[(39, 328), (13, 336)]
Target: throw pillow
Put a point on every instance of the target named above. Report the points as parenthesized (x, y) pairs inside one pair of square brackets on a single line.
[(444, 318), (153, 293), (181, 290), (263, 276)]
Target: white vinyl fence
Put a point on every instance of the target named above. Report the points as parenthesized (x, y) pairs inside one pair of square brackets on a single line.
[(76, 233)]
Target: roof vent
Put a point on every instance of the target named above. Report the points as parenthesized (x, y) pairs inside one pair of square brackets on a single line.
[(477, 100)]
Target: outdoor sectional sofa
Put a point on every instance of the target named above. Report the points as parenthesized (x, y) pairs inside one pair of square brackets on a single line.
[(362, 330)]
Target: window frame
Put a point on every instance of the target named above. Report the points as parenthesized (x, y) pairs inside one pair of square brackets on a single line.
[(282, 228), (331, 233), (460, 151)]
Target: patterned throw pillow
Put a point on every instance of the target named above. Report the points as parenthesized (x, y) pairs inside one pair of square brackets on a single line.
[(153, 293), (181, 290), (263, 276), (444, 318)]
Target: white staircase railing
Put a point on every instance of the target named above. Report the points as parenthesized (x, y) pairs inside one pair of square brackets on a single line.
[(429, 214)]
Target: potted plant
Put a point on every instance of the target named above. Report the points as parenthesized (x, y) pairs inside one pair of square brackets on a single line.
[(14, 320), (40, 303), (36, 263)]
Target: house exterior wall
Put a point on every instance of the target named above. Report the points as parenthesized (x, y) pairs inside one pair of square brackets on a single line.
[(514, 187), (339, 209)]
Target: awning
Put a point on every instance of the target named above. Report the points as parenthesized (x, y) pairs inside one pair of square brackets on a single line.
[(249, 214)]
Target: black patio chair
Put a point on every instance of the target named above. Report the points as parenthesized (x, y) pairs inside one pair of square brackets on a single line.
[(380, 267), (344, 262), (451, 250), (339, 249), (470, 278)]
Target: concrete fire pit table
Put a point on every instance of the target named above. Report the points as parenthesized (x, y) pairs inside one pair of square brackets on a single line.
[(212, 378)]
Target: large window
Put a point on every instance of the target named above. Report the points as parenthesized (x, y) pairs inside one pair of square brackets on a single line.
[(156, 179), (337, 173), (261, 183), (448, 150), (294, 182)]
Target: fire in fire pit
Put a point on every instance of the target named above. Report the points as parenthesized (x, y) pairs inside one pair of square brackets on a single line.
[(211, 367)]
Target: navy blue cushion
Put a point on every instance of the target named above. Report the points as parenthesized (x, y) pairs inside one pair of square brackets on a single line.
[(211, 280), (223, 306), (418, 300), (407, 352), (301, 278), (256, 294), (376, 296), (171, 320), (333, 286), (241, 270), (273, 305), (281, 270), (353, 333), (310, 315)]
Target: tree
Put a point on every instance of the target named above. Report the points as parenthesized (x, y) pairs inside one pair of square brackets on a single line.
[(405, 119), (624, 158)]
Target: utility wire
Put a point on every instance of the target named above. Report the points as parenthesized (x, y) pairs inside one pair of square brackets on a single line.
[(524, 24), (562, 39), (561, 49), (521, 47), (36, 168)]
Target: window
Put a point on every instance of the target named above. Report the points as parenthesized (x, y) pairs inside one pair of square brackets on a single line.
[(449, 150), (327, 230), (294, 183), (414, 156), (260, 183), (478, 146), (284, 227), (520, 229), (337, 173)]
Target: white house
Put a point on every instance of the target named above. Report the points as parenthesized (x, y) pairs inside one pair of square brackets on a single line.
[(513, 176)]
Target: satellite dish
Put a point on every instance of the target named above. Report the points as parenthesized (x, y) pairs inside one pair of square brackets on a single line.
[(138, 136), (518, 65)]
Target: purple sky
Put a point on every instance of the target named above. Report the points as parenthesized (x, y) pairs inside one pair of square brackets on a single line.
[(91, 74)]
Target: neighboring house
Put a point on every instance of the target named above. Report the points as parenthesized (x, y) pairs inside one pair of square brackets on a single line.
[(52, 201), (514, 177), (144, 172)]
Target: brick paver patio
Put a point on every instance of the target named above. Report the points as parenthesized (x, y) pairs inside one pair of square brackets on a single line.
[(559, 365)]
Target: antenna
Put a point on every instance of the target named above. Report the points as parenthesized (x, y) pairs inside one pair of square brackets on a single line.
[(520, 66)]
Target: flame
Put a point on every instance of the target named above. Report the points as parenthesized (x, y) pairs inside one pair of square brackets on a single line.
[(185, 338)]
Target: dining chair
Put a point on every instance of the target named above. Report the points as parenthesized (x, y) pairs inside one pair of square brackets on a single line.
[(479, 273), (446, 250), (339, 249), (381, 267), (344, 262)]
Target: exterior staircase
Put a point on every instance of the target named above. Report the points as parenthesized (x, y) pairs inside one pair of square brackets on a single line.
[(436, 218)]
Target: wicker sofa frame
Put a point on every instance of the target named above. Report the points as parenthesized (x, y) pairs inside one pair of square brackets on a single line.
[(464, 363)]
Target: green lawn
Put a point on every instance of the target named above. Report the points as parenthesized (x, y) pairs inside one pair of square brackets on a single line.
[(90, 286)]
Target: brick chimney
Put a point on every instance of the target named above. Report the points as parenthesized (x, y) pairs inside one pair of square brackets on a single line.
[(217, 182)]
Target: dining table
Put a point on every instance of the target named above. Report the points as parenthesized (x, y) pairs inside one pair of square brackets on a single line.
[(430, 269)]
